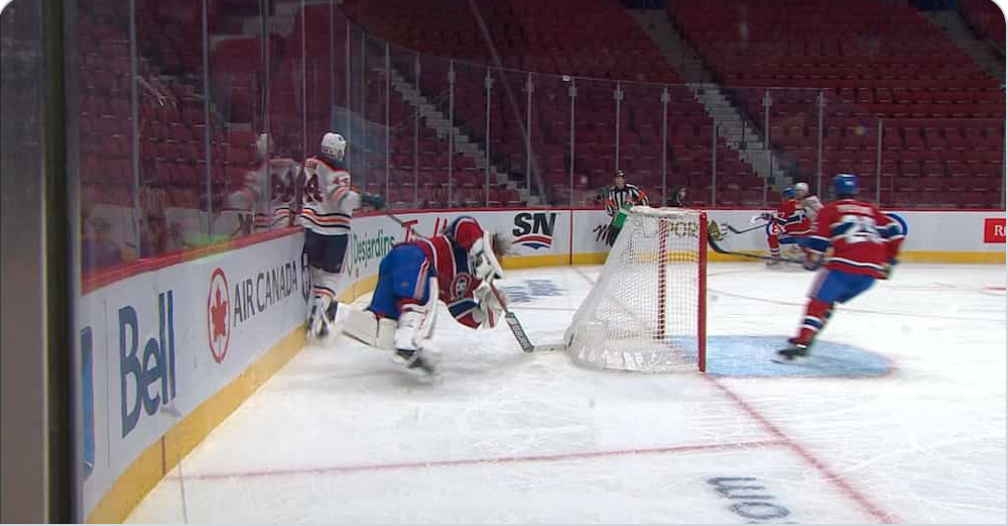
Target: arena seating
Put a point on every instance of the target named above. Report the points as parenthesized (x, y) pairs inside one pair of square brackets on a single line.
[(986, 19), (873, 60), (549, 39), (942, 116)]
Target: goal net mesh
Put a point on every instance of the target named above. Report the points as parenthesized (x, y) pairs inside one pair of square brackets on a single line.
[(646, 311)]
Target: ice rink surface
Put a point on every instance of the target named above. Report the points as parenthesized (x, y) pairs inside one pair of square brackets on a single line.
[(898, 417)]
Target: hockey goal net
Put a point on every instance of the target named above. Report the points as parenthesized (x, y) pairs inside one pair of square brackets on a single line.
[(646, 312)]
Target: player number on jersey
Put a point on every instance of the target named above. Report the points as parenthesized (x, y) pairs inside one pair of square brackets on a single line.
[(861, 229)]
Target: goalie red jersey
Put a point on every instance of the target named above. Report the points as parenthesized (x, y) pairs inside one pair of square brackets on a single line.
[(456, 267), (449, 253), (863, 238)]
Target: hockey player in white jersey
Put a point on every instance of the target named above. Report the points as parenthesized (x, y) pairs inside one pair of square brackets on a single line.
[(267, 191), (809, 203), (328, 203)]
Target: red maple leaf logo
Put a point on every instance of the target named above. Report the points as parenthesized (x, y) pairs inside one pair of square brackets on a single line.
[(218, 316)]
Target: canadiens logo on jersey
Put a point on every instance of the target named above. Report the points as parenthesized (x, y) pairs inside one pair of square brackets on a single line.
[(460, 286)]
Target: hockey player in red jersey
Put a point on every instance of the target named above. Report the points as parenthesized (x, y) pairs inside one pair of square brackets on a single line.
[(865, 244), (788, 226), (455, 267)]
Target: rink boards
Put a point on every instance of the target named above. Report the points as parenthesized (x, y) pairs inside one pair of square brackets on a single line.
[(168, 350)]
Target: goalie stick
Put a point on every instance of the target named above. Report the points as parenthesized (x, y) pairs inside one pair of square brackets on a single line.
[(519, 331), (509, 317)]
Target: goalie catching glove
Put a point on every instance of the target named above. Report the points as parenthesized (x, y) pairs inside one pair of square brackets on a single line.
[(489, 309), (486, 267), (483, 258)]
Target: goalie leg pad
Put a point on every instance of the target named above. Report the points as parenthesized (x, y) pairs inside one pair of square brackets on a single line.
[(416, 321), (370, 329), (413, 349)]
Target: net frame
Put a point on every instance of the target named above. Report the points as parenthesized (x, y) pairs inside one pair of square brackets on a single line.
[(597, 336)]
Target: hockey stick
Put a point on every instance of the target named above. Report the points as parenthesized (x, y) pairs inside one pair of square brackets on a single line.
[(744, 230), (717, 248), (509, 317), (519, 331)]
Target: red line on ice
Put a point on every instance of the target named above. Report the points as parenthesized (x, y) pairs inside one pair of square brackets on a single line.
[(841, 484), (492, 460)]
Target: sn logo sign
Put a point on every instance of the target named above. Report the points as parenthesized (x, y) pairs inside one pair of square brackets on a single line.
[(534, 229)]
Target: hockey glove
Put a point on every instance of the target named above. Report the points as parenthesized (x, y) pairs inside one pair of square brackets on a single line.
[(375, 201)]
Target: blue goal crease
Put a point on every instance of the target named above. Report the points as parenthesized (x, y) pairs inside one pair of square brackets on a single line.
[(751, 355)]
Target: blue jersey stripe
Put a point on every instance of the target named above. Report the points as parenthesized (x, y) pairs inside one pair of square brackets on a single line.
[(857, 264), (461, 307), (817, 244)]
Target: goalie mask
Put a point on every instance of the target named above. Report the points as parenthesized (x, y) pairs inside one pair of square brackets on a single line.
[(484, 257)]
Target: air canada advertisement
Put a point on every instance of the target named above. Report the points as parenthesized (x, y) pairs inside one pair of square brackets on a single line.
[(157, 344)]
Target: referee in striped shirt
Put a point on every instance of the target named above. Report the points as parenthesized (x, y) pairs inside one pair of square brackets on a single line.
[(618, 202)]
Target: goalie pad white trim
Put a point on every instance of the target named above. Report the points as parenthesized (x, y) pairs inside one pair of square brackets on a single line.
[(366, 327), (416, 322)]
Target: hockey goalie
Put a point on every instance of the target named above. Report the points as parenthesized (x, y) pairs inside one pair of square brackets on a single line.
[(456, 267)]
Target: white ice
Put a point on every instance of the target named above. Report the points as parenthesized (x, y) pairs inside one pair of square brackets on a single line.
[(342, 435)]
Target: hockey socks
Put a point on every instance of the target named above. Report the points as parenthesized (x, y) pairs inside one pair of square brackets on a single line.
[(323, 313), (774, 250), (817, 313)]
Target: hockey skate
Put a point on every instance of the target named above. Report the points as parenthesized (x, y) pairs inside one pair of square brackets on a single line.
[(796, 352), (415, 362), (328, 321), (319, 324), (310, 324)]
